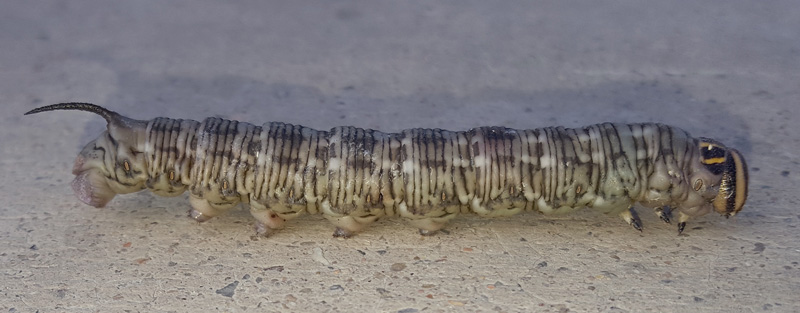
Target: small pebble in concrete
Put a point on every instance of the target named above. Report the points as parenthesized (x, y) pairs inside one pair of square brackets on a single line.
[(398, 267), (228, 290)]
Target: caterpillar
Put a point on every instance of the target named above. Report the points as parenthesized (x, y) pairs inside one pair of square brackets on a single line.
[(353, 176)]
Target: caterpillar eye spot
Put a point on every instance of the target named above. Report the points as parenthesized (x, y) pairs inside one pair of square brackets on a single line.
[(353, 176)]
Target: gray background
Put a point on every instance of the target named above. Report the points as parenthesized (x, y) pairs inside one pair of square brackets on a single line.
[(726, 70)]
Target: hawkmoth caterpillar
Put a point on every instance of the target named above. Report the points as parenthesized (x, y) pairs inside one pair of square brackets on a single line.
[(354, 176)]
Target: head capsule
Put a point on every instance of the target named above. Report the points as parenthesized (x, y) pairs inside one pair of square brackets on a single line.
[(729, 163)]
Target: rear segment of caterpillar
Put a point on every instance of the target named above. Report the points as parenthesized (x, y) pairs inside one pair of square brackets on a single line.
[(112, 163), (354, 176)]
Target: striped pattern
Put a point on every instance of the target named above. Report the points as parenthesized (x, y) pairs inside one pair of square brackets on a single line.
[(491, 171), (353, 176)]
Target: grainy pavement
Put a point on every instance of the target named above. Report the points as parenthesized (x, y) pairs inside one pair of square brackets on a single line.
[(723, 70)]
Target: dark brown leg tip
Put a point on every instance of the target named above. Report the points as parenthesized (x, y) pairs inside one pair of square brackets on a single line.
[(636, 222), (665, 214)]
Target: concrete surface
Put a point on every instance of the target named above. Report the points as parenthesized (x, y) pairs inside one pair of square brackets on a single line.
[(728, 70)]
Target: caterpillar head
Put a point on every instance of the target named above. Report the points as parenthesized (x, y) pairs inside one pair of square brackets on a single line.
[(111, 164), (729, 165)]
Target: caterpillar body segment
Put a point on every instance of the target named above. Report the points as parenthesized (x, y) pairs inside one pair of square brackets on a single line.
[(354, 176)]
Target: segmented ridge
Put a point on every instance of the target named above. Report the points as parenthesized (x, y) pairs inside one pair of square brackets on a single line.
[(493, 171), (169, 151)]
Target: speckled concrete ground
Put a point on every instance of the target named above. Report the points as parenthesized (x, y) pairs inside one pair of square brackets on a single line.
[(727, 71)]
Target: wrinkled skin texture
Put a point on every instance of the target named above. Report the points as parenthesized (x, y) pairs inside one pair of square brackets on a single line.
[(354, 176)]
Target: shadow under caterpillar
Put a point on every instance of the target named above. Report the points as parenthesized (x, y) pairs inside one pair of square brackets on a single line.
[(353, 176)]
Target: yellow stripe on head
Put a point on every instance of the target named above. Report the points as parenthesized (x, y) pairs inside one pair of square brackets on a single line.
[(733, 186), (713, 155), (713, 161), (742, 180)]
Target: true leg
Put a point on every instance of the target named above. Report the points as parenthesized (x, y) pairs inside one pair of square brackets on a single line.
[(632, 218)]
